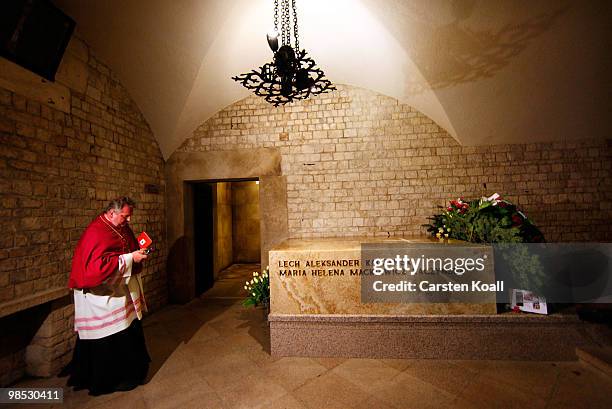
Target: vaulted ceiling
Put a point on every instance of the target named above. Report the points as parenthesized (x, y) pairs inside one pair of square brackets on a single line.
[(488, 71)]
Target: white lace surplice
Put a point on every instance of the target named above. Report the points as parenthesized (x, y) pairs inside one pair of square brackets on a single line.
[(110, 307)]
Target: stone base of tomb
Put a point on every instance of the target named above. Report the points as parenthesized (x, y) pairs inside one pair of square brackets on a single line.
[(507, 336)]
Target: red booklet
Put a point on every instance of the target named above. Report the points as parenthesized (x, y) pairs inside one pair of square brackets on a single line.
[(144, 240)]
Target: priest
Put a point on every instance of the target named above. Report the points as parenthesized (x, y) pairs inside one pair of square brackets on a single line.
[(110, 352)]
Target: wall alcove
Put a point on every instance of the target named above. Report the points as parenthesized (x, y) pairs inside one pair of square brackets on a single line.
[(184, 168)]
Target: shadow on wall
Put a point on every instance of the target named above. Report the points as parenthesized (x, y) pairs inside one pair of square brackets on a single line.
[(176, 264), (460, 54), (18, 330)]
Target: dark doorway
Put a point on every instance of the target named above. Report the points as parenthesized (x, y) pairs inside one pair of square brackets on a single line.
[(203, 236), (226, 228)]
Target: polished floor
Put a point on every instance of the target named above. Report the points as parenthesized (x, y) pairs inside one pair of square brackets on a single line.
[(213, 353)]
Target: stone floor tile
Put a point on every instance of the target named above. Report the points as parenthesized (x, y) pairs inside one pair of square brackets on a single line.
[(195, 399), (247, 342), (132, 399), (369, 374), (579, 387), (459, 403), (227, 369), (373, 403), (444, 375), (250, 392), (330, 391), (204, 333), (161, 387), (30, 406), (207, 350), (329, 363), (262, 358), (292, 373), (399, 364), (178, 361), (475, 366), (75, 399), (490, 393), (101, 400), (538, 378), (286, 401), (405, 391)]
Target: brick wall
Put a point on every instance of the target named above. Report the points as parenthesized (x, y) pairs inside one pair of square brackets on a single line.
[(57, 172), (246, 243), (358, 163), (51, 346)]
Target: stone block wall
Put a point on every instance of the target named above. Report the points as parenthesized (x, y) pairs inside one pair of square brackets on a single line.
[(359, 163), (52, 345), (60, 163), (245, 222), (222, 226)]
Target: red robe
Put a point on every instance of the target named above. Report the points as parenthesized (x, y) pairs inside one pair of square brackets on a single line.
[(96, 257)]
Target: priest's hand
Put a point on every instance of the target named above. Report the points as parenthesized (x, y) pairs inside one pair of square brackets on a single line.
[(139, 256)]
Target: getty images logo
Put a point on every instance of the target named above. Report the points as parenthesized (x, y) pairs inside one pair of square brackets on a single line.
[(411, 265)]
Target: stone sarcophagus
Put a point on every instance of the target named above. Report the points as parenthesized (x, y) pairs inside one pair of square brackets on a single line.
[(335, 276), (378, 298)]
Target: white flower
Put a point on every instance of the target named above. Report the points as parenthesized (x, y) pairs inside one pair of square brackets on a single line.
[(255, 279), (246, 288), (246, 282), (253, 294), (255, 273), (264, 275), (251, 282)]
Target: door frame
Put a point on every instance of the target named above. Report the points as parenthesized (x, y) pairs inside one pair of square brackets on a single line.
[(184, 168)]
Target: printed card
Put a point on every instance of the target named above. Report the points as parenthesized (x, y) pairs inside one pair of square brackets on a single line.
[(527, 301)]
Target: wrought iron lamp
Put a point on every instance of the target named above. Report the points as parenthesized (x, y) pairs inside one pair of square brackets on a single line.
[(291, 75)]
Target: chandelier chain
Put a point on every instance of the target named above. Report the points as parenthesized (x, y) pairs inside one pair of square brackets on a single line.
[(295, 26), (282, 22), (286, 21), (276, 15)]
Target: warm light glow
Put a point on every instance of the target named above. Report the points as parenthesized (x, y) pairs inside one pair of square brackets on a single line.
[(341, 40), (257, 182)]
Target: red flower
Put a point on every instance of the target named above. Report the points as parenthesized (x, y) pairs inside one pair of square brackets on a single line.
[(516, 220)]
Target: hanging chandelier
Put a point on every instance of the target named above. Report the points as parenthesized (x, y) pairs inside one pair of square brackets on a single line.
[(291, 75)]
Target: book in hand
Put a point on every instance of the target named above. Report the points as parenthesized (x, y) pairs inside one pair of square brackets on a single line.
[(144, 241)]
